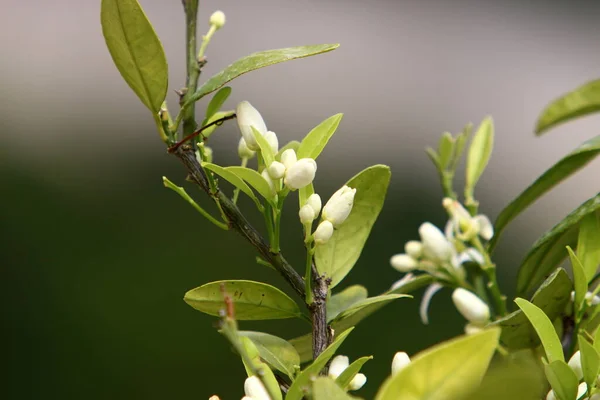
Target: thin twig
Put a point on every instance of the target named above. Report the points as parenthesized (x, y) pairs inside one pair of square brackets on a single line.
[(199, 131)]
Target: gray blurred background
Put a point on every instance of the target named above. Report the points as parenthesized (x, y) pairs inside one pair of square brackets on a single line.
[(96, 255)]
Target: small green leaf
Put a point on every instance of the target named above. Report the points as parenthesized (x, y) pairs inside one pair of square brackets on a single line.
[(362, 309), (276, 352), (294, 145), (256, 61), (588, 250), (480, 152), (254, 179), (314, 142), (325, 388), (560, 171), (207, 132), (265, 148), (252, 300), (216, 103), (590, 362), (232, 178), (302, 381), (597, 340), (344, 299), (336, 258), (446, 149), (548, 252), (349, 373), (544, 329), (435, 158), (461, 141), (135, 50), (562, 379), (579, 279), (582, 101), (446, 371)]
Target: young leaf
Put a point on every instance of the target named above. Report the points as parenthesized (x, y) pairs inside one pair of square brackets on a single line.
[(349, 373), (337, 257), (294, 145), (234, 179), (579, 279), (582, 101), (479, 152), (560, 171), (461, 141), (296, 390), (548, 251), (597, 340), (588, 248), (252, 300), (544, 329), (590, 362), (314, 142), (447, 371), (135, 50), (254, 179), (256, 61), (207, 132), (362, 309), (344, 299), (325, 388), (216, 103), (276, 352), (562, 379), (265, 147), (446, 150)]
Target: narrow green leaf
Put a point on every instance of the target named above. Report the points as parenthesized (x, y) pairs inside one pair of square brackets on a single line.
[(302, 382), (446, 149), (252, 300), (590, 362), (548, 251), (294, 145), (435, 158), (597, 340), (461, 141), (446, 371), (480, 151), (562, 379), (135, 50), (544, 329), (232, 178), (276, 352), (254, 179), (349, 373), (207, 132), (337, 257), (582, 101), (579, 279), (344, 299), (362, 309), (588, 244), (216, 103), (325, 388), (256, 61), (560, 171), (314, 142), (265, 147), (268, 378)]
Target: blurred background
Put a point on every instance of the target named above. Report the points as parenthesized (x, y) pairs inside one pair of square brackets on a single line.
[(96, 254)]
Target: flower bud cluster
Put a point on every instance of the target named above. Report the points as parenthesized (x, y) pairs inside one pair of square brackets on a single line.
[(463, 226), (339, 365)]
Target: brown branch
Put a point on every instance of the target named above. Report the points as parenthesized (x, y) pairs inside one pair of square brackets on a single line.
[(199, 132), (321, 334)]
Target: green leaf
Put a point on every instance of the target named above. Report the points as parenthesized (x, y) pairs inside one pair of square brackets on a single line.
[(590, 362), (563, 380), (582, 101), (135, 50), (234, 179), (262, 369), (362, 309), (302, 381), (579, 279), (414, 284), (434, 157), (446, 149), (461, 141), (303, 345), (349, 373), (252, 300), (207, 132), (276, 352), (216, 103), (597, 340), (548, 252), (336, 258), (588, 248), (480, 152), (294, 145), (446, 371), (344, 299), (256, 61), (325, 388), (265, 148), (254, 179), (566, 167), (544, 328), (551, 297), (314, 142)]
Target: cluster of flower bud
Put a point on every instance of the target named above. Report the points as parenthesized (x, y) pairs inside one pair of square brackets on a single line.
[(339, 365), (248, 117), (335, 212), (575, 365), (463, 226)]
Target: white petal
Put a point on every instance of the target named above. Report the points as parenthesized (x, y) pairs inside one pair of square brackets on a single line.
[(427, 296), (337, 366), (405, 279), (581, 389), (486, 229), (301, 173), (575, 365)]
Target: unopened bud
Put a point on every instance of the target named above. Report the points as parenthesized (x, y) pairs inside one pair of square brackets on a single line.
[(307, 214), (471, 329), (243, 150), (301, 173), (217, 19), (575, 364), (413, 248), (486, 229), (323, 232), (214, 397), (357, 382), (470, 306), (403, 263), (276, 170), (400, 361), (254, 388), (435, 245), (337, 366), (288, 158), (314, 201), (271, 138), (265, 175), (248, 117), (339, 206)]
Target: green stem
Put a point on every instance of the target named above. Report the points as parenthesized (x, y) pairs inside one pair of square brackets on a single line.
[(181, 191), (236, 191), (205, 41), (276, 230), (447, 177), (188, 114), (490, 270), (267, 213)]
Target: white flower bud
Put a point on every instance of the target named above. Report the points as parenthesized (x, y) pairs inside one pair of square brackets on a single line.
[(486, 229), (271, 138), (435, 245), (288, 158), (267, 177), (314, 201), (575, 365), (217, 19), (357, 382), (215, 397), (276, 170), (300, 174), (307, 214), (337, 366), (403, 263), (550, 395), (400, 361), (339, 206), (413, 248), (245, 398), (248, 117), (243, 150), (255, 389), (471, 329), (581, 389), (323, 232), (470, 306)]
